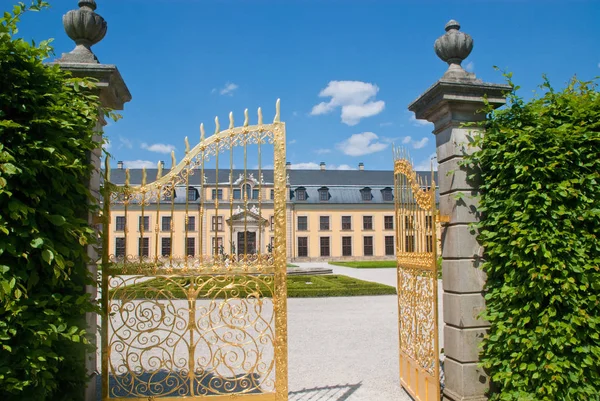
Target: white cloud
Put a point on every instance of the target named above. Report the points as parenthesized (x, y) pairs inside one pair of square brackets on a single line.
[(388, 124), (124, 142), (406, 139), (293, 141), (470, 66), (228, 89), (343, 167), (425, 164), (158, 147), (322, 151), (354, 98), (361, 144), (418, 123), (139, 164), (420, 144)]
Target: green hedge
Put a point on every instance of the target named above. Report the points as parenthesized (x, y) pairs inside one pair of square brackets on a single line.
[(46, 129), (540, 227)]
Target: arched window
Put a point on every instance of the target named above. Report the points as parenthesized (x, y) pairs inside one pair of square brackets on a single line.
[(247, 190)]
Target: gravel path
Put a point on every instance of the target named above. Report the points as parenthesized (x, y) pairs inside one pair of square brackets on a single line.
[(344, 348)]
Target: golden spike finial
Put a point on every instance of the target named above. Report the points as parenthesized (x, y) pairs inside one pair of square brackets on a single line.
[(143, 176), (173, 160), (127, 177), (277, 111), (107, 169), (246, 119), (202, 133), (217, 125), (187, 145), (159, 173), (231, 125), (260, 116)]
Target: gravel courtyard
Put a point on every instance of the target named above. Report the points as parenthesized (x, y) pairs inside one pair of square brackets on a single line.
[(345, 348)]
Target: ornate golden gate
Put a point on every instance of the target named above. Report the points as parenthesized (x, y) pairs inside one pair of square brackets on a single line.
[(416, 245), (186, 315)]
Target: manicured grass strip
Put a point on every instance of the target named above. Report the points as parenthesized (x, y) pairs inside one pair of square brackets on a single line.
[(367, 264), (174, 287), (291, 265)]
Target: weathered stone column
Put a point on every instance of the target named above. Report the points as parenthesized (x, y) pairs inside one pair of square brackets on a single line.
[(87, 28), (458, 98)]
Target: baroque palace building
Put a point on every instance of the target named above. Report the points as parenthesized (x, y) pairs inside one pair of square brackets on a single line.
[(331, 215)]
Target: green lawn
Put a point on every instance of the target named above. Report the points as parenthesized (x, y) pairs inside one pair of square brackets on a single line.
[(367, 264), (174, 287)]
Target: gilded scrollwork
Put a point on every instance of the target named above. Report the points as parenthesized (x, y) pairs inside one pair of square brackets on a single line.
[(203, 325), (417, 279)]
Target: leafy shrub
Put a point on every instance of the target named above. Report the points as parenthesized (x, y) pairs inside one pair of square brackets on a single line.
[(540, 227), (46, 129)]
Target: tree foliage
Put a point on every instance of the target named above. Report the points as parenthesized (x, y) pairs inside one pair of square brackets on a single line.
[(540, 172), (46, 133)]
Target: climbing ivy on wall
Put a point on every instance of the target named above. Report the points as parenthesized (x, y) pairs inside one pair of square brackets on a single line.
[(46, 129), (540, 180)]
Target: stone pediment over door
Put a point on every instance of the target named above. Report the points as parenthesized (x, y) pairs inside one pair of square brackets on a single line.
[(248, 217)]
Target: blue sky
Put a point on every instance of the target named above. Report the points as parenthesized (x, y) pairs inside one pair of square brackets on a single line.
[(345, 70)]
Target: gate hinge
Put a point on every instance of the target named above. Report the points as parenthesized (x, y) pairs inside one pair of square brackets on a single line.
[(440, 218)]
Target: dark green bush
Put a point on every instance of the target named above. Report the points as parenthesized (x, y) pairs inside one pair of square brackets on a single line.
[(46, 128), (540, 227)]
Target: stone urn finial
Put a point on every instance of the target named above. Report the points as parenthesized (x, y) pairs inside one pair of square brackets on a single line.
[(86, 28), (454, 46)]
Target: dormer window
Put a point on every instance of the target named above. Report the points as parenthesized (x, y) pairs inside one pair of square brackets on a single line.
[(192, 194), (387, 194), (366, 194), (301, 194), (323, 194)]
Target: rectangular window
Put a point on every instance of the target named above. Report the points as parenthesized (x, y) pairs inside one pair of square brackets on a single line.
[(119, 247), (366, 196), (323, 195), (143, 246), (387, 195), (120, 226), (191, 225), (324, 223), (367, 222), (302, 223), (217, 223), (218, 243), (429, 243), (346, 246), (165, 246), (368, 246), (324, 246), (302, 247), (301, 194), (237, 194), (429, 222), (272, 220), (166, 223), (409, 243), (272, 194), (255, 194), (217, 194), (146, 221), (190, 247), (408, 222), (192, 194), (389, 245), (347, 223), (388, 222)]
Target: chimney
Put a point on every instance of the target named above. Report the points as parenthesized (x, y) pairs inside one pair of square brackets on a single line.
[(120, 165), (361, 166), (322, 166), (288, 165), (162, 164)]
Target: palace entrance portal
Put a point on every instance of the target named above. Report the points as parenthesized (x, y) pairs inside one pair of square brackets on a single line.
[(246, 243)]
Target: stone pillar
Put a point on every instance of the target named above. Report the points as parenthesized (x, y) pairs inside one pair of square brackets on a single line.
[(458, 98), (87, 28)]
